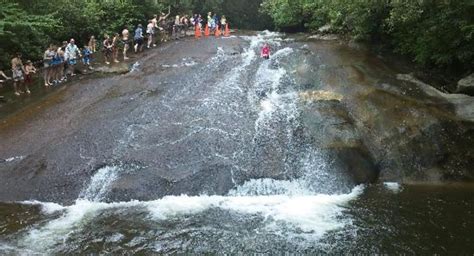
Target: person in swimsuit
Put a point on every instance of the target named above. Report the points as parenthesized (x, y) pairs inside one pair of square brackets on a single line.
[(47, 63), (149, 31), (265, 51), (126, 42), (162, 24), (64, 64), (29, 71), (107, 49), (115, 47), (154, 22), (18, 71), (223, 24), (92, 44), (57, 65)]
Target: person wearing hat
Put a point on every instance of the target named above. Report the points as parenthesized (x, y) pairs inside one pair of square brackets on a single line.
[(138, 38)]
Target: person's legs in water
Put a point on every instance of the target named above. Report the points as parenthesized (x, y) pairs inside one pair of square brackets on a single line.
[(18, 80), (115, 48), (107, 56), (126, 46), (47, 74)]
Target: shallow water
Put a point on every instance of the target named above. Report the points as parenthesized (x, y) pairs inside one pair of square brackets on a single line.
[(417, 219)]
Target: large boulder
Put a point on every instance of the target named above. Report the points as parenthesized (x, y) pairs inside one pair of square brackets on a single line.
[(466, 85)]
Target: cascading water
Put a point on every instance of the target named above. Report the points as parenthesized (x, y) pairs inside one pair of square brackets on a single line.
[(283, 191)]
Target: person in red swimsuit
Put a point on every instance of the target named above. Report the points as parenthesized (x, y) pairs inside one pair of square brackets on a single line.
[(266, 51)]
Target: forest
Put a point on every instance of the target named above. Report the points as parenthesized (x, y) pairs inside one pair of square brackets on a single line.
[(434, 34), (30, 26)]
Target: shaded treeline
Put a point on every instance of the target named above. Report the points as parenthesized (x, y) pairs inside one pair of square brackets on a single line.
[(434, 33)]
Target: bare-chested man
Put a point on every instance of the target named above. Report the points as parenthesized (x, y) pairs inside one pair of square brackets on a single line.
[(154, 23), (162, 24), (150, 30), (126, 42), (18, 74)]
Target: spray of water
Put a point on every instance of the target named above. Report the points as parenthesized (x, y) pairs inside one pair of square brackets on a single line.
[(308, 203)]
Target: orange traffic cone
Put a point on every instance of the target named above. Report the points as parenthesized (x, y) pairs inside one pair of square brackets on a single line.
[(206, 31), (197, 32), (227, 31), (218, 32)]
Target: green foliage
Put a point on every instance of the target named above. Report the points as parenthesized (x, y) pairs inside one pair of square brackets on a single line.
[(433, 32), (30, 26), (21, 32)]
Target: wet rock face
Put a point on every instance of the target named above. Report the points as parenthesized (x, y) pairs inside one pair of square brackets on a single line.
[(466, 85), (196, 119), (412, 132)]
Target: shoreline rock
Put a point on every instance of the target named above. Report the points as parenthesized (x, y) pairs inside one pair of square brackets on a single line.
[(466, 85)]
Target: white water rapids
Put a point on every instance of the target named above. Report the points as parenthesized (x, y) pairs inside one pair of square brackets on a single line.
[(286, 206)]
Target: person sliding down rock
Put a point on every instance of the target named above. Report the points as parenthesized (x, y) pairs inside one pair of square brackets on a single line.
[(266, 51)]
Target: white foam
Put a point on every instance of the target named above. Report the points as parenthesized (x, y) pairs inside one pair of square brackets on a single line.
[(46, 208), (15, 158), (100, 183), (393, 186), (74, 218), (296, 208), (315, 214)]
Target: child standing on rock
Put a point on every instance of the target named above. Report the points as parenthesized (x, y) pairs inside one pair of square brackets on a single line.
[(87, 56)]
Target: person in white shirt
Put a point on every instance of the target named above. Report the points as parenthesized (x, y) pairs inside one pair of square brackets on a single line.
[(71, 54), (150, 31)]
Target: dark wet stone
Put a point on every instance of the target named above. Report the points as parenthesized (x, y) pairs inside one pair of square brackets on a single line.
[(466, 85)]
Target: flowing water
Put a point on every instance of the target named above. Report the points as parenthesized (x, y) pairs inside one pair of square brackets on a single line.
[(294, 201)]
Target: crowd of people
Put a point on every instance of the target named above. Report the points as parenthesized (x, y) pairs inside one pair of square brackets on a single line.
[(59, 62)]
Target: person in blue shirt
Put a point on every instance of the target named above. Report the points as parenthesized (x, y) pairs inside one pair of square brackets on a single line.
[(138, 38), (87, 56)]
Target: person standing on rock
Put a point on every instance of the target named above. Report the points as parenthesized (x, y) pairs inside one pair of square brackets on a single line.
[(162, 24), (57, 66), (93, 44), (107, 50), (18, 71), (138, 38), (154, 22), (47, 64), (163, 16), (87, 56), (126, 42), (223, 24), (29, 71), (115, 47), (64, 64), (149, 32), (71, 55)]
